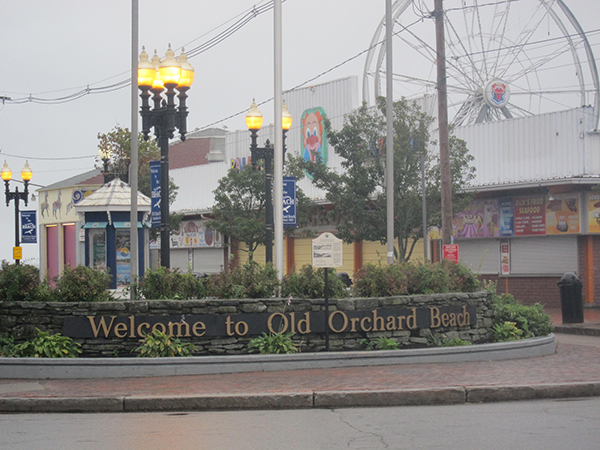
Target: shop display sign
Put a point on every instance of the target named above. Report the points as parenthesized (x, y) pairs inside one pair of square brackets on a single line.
[(195, 234), (505, 256), (593, 202), (507, 217), (479, 220), (529, 216), (562, 214)]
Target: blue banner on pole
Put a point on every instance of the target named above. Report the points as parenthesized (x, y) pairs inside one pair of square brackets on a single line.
[(289, 202), (155, 192), (28, 227)]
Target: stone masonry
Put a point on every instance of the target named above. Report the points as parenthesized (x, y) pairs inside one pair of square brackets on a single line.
[(20, 319)]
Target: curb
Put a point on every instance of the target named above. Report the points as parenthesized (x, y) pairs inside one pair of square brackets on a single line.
[(302, 400), (585, 330), (88, 368)]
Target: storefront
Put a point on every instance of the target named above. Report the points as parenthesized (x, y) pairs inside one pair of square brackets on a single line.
[(106, 231)]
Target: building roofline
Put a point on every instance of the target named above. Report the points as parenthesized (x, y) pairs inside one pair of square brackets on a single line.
[(528, 184)]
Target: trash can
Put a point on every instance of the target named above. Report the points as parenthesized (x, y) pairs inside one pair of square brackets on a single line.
[(571, 299)]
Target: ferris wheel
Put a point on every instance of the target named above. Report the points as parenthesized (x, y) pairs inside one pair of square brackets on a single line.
[(504, 59)]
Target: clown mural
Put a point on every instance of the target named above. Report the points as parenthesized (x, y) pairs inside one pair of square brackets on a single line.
[(314, 135)]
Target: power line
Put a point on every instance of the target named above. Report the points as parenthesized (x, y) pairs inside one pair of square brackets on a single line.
[(47, 159), (246, 18)]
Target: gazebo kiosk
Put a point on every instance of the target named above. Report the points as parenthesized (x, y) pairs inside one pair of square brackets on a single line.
[(106, 215)]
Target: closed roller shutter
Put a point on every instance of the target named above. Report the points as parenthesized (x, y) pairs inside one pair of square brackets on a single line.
[(208, 260), (179, 259), (544, 255), (480, 255)]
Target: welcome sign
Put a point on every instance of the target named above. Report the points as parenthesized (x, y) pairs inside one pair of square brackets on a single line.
[(298, 323)]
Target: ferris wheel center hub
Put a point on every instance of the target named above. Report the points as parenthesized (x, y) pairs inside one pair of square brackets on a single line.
[(496, 93)]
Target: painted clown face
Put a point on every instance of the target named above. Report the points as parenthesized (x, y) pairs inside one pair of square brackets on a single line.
[(312, 136)]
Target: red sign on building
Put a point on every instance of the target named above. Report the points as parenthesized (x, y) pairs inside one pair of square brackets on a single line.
[(530, 216), (451, 252)]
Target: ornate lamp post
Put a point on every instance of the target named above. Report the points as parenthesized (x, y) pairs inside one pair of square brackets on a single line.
[(254, 120), (26, 175), (105, 155), (164, 77)]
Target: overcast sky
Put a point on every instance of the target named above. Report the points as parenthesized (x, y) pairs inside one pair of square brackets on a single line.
[(51, 49)]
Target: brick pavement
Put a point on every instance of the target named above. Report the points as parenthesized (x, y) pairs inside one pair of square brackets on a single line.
[(577, 360)]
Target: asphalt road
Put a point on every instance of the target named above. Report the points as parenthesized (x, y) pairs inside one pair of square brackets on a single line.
[(544, 424)]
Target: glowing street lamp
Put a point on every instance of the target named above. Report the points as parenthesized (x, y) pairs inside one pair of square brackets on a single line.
[(163, 78), (17, 196), (254, 120)]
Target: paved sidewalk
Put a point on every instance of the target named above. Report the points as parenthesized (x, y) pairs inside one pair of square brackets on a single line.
[(573, 371)]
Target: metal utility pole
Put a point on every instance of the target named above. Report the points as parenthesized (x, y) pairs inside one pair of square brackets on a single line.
[(133, 175), (446, 184), (389, 161), (278, 157)]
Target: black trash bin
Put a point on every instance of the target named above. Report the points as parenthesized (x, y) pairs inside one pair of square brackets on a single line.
[(571, 299)]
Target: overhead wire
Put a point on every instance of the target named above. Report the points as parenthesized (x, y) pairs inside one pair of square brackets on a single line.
[(245, 18)]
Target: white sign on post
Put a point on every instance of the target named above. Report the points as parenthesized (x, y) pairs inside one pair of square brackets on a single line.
[(327, 251)]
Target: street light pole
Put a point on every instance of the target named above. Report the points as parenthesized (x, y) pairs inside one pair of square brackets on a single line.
[(105, 154), (16, 196), (254, 122), (160, 77)]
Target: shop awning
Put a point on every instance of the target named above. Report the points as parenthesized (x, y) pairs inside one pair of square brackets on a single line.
[(126, 224), (95, 225)]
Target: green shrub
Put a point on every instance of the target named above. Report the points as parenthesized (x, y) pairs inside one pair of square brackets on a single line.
[(310, 283), (379, 343), (381, 281), (47, 345), (273, 343), (414, 278), (444, 341), (249, 281), (532, 320), (162, 283), (158, 344), (82, 284), (462, 279), (7, 345), (507, 331), (19, 282)]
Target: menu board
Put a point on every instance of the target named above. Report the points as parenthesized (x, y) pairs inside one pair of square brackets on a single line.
[(529, 216), (562, 214), (593, 201)]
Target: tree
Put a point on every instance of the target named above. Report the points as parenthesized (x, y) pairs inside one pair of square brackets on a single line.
[(240, 202), (118, 140), (357, 193), (239, 210)]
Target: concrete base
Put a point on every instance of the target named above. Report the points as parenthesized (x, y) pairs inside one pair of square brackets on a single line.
[(42, 368)]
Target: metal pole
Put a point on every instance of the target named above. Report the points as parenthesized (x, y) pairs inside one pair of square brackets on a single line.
[(326, 309), (278, 172), (17, 242), (268, 209), (133, 176), (163, 143), (446, 183), (389, 160), (424, 206)]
